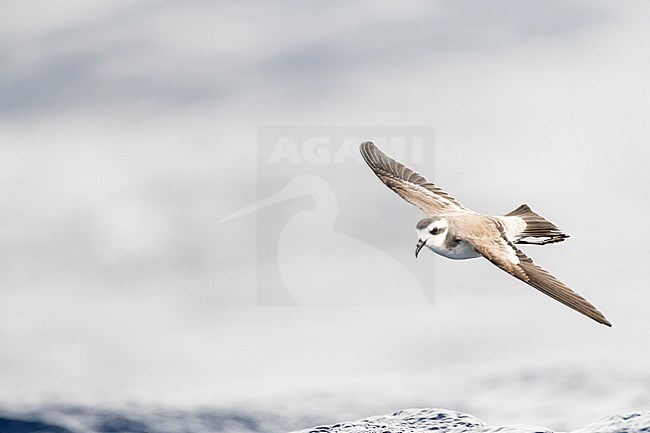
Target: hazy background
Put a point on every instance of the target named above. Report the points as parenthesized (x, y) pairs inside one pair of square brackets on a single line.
[(128, 129)]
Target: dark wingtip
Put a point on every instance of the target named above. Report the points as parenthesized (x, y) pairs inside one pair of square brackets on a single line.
[(366, 145), (369, 153)]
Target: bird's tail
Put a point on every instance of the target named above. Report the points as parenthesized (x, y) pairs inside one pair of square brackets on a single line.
[(538, 231)]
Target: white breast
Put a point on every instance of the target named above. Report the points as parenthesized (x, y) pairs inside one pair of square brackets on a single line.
[(463, 250)]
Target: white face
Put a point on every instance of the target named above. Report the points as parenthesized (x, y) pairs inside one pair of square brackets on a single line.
[(434, 234)]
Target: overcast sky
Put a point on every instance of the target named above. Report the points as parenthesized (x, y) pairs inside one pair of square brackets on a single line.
[(130, 129)]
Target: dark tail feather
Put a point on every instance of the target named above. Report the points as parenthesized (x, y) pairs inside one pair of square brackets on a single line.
[(537, 227)]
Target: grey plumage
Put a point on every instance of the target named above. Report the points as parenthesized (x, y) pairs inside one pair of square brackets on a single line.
[(424, 223)]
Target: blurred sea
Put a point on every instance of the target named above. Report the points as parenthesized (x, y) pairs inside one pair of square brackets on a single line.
[(72, 419), (567, 398)]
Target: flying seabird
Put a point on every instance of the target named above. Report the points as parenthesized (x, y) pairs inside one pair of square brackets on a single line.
[(456, 232)]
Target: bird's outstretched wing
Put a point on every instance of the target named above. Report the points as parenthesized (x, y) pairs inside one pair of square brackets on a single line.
[(503, 253), (408, 184)]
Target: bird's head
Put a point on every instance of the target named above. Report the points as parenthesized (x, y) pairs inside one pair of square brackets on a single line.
[(431, 232)]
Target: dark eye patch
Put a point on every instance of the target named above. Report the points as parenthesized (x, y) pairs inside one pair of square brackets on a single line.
[(436, 230)]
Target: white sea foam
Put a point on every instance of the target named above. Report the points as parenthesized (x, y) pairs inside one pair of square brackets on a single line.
[(441, 420)]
